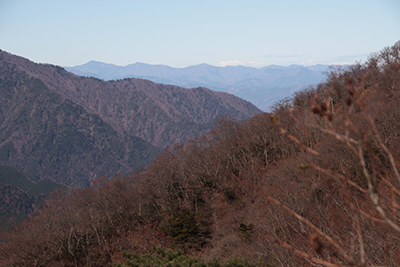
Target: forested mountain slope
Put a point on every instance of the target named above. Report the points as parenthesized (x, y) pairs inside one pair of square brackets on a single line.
[(160, 114), (316, 183), (58, 126), (49, 137)]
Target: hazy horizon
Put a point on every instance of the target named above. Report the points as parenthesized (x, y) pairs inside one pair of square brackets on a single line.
[(182, 67), (181, 33)]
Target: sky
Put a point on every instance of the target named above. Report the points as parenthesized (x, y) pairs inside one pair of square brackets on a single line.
[(184, 33)]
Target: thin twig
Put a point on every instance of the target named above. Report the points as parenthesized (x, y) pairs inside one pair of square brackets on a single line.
[(372, 192), (312, 151), (391, 186), (382, 145), (360, 240), (303, 254), (302, 126), (332, 173), (335, 244), (369, 216), (335, 134)]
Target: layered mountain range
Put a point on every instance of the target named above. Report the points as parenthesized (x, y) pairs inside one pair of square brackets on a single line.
[(260, 86), (58, 126)]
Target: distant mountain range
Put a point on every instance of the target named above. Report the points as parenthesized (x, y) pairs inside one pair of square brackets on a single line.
[(57, 126), (260, 86)]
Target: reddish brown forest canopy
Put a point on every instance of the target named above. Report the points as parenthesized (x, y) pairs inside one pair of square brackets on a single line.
[(316, 183)]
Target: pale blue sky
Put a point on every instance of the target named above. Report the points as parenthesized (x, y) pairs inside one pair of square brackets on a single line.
[(183, 33)]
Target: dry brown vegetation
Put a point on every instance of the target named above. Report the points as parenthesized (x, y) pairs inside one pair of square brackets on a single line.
[(314, 184)]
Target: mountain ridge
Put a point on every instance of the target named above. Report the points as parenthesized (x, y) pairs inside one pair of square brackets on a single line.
[(261, 86), (56, 125)]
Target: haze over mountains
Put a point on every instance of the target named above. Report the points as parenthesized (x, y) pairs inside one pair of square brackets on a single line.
[(59, 129), (261, 86), (316, 183), (70, 129)]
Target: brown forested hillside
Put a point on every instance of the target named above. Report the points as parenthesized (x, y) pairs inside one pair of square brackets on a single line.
[(58, 128), (69, 129), (49, 137), (314, 184), (160, 114)]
